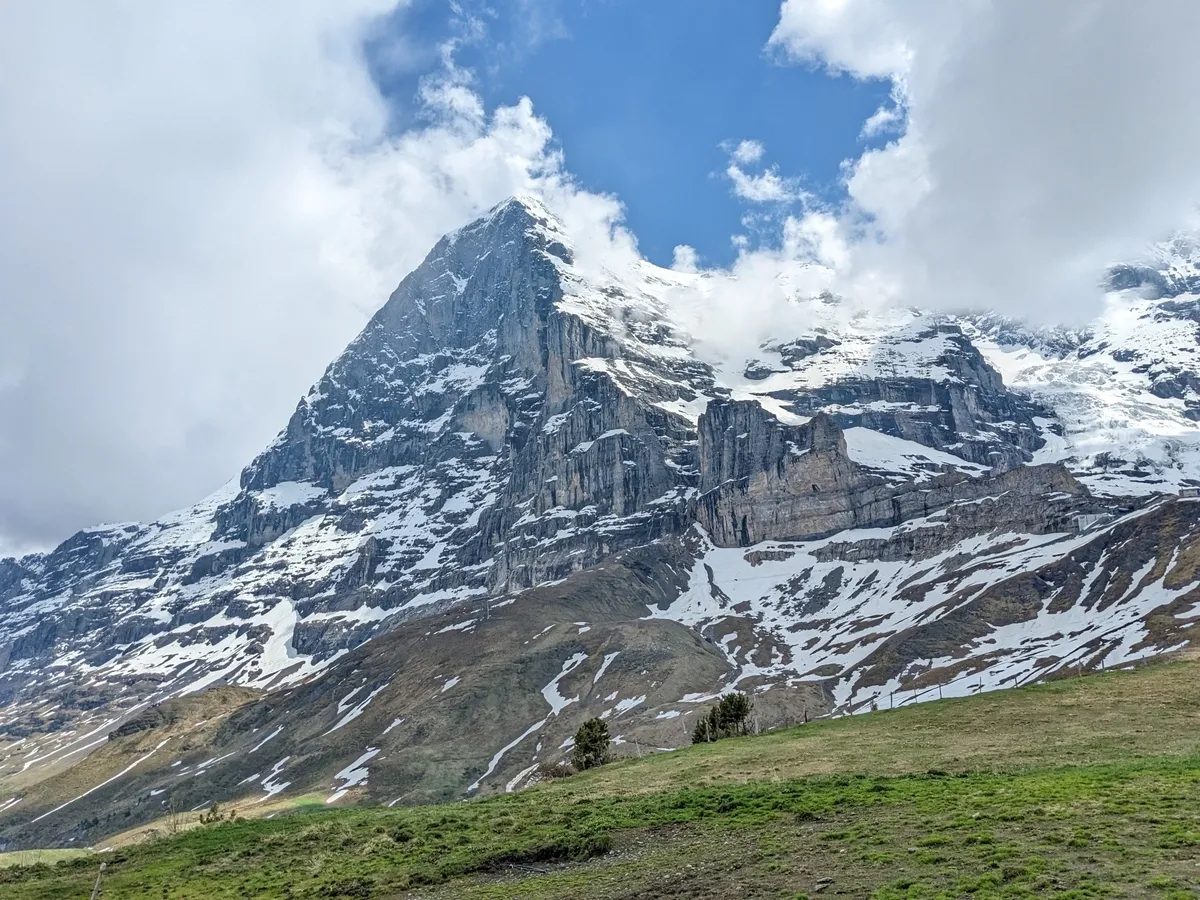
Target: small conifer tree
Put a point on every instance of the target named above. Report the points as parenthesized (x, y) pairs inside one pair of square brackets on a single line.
[(729, 718), (591, 745)]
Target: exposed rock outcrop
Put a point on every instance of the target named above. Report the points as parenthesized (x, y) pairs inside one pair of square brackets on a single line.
[(763, 480)]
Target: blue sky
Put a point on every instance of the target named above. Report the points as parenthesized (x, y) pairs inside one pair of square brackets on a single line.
[(642, 97)]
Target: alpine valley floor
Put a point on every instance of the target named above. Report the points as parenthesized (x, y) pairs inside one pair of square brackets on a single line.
[(1082, 787)]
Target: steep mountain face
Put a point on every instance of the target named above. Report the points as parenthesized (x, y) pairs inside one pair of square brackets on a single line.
[(926, 382), (763, 480), (439, 459), (523, 496)]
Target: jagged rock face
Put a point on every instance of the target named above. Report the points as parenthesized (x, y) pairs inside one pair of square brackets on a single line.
[(467, 381), (964, 408), (762, 480), (1177, 271), (469, 441), (740, 440), (462, 337)]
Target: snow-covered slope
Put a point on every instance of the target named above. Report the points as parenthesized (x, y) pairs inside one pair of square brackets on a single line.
[(886, 499), (1124, 397), (997, 609)]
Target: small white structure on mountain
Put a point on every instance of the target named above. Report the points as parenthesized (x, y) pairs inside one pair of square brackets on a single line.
[(1088, 521)]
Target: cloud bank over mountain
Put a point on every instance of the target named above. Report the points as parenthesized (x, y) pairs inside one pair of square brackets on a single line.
[(205, 204), (1042, 142), (202, 205)]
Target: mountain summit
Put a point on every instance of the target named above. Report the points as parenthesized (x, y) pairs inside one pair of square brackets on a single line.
[(523, 481)]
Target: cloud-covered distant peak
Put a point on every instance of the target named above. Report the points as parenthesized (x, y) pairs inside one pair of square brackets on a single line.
[(1041, 141)]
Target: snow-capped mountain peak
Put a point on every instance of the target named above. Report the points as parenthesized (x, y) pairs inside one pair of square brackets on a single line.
[(851, 503)]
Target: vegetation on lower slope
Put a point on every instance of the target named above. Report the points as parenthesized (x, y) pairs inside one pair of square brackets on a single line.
[(1081, 788)]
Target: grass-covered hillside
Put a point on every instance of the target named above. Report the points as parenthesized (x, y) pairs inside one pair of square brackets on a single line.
[(1077, 789)]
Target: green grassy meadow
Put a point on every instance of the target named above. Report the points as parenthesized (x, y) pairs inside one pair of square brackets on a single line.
[(1076, 789)]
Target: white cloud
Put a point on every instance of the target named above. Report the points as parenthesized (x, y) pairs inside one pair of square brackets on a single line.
[(685, 259), (862, 38), (890, 117), (731, 313), (886, 118), (767, 186), (1043, 141), (747, 153), (201, 206)]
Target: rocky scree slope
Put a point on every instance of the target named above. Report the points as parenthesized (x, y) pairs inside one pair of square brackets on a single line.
[(867, 510)]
